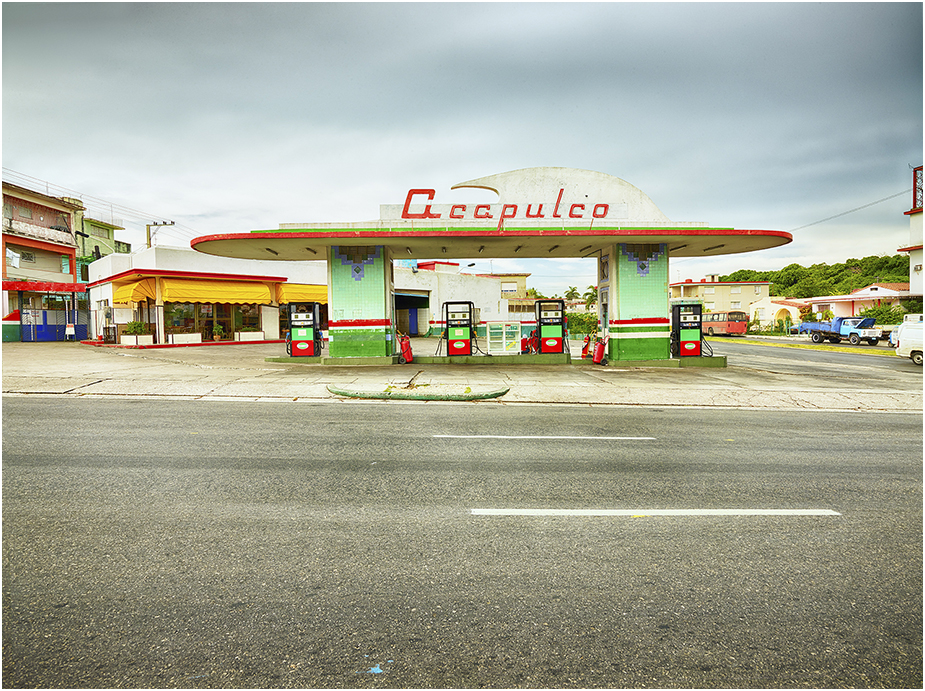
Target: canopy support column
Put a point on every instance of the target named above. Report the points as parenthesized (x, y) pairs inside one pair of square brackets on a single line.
[(633, 301), (360, 319)]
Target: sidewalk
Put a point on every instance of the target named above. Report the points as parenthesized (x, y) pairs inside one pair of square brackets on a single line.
[(241, 372)]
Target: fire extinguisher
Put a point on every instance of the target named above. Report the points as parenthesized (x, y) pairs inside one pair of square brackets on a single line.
[(586, 347), (599, 357)]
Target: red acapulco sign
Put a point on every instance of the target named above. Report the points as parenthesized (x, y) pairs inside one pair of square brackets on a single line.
[(551, 209)]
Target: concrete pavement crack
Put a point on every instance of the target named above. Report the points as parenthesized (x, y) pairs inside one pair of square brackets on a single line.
[(82, 386)]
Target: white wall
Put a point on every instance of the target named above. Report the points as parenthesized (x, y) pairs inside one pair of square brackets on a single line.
[(167, 258), (269, 321), (448, 286)]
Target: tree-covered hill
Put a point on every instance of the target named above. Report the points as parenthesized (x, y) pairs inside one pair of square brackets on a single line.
[(798, 281)]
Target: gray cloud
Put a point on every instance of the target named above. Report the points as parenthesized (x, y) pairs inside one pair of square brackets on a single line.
[(238, 116)]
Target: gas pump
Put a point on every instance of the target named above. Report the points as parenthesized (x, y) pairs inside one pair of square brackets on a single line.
[(304, 338), (686, 330), (550, 321), (460, 327)]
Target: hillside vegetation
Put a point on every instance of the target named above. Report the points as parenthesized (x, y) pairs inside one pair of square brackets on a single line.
[(796, 281)]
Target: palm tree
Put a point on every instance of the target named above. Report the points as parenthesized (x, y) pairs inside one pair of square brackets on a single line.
[(572, 293), (590, 296)]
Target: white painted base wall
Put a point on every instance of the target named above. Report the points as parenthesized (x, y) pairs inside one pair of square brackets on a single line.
[(185, 338)]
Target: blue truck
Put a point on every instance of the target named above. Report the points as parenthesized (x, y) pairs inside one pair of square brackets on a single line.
[(853, 329)]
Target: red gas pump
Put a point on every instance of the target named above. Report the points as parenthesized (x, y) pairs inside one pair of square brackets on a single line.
[(686, 331), (460, 327), (550, 325), (304, 339)]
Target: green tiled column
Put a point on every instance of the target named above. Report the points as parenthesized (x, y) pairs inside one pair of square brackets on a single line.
[(639, 324), (360, 321)]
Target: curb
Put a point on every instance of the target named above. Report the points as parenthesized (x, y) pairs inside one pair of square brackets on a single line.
[(407, 396)]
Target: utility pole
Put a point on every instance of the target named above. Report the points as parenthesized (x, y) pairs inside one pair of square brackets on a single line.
[(149, 226)]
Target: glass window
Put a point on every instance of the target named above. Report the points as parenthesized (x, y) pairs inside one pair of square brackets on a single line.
[(736, 289), (247, 317), (179, 317)]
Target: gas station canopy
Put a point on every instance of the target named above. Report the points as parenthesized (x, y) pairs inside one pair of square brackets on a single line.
[(548, 213)]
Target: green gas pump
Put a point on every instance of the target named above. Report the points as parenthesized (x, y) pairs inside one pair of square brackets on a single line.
[(550, 324), (304, 339), (459, 318), (686, 330)]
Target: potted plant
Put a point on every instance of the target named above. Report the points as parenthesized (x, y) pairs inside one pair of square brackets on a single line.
[(136, 333), (218, 331)]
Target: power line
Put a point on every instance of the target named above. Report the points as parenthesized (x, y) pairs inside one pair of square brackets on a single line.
[(845, 213), (96, 204), (814, 223)]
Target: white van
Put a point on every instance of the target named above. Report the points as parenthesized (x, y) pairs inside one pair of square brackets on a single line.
[(897, 332), (909, 343)]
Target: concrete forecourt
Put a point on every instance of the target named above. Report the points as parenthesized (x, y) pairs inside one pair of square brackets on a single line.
[(760, 377)]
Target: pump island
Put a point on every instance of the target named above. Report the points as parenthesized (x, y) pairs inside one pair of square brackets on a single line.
[(543, 213)]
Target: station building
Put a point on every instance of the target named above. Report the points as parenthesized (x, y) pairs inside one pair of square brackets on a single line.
[(183, 297), (544, 212)]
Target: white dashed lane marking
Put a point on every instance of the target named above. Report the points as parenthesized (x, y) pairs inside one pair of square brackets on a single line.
[(501, 436), (654, 512)]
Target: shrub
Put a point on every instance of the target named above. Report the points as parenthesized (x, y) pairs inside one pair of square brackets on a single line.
[(136, 328), (884, 314), (582, 322)]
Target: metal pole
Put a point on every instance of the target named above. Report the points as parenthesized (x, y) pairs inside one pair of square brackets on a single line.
[(153, 225)]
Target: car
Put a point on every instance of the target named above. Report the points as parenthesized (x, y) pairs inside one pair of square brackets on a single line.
[(909, 342)]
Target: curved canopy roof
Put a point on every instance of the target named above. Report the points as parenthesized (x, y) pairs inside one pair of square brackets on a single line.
[(541, 213)]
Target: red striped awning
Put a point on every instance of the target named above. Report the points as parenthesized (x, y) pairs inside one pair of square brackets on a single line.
[(45, 287)]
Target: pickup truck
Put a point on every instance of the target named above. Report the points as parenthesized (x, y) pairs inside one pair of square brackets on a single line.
[(855, 329)]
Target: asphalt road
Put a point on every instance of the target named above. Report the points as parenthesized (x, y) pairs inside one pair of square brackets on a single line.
[(241, 544), (833, 362)]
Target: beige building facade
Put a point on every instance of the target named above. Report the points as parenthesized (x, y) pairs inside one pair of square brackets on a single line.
[(719, 296)]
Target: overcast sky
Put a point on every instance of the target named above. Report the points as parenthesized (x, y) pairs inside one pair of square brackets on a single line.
[(234, 117)]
